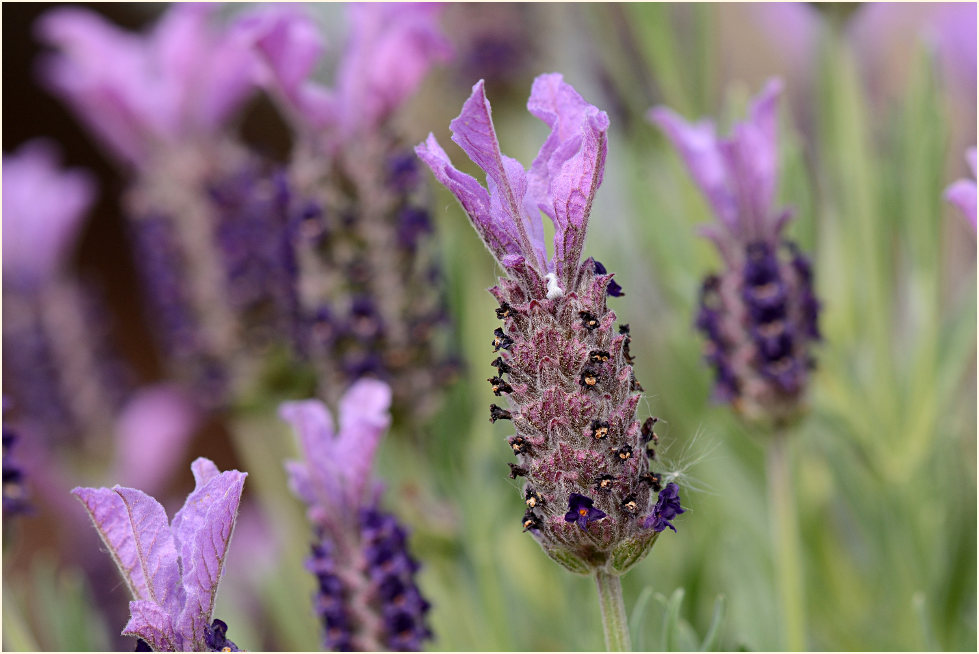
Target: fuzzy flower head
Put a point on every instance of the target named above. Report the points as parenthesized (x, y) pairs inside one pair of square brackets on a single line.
[(760, 315), (390, 49), (565, 370), (963, 192), (43, 210), (367, 598), (178, 83), (172, 568)]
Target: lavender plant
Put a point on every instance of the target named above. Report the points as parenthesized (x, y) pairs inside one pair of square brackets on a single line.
[(60, 370), (208, 217), (367, 598), (569, 379), (370, 288), (760, 315), (963, 192), (171, 568)]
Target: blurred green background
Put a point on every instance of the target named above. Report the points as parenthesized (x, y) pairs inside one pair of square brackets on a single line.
[(883, 468)]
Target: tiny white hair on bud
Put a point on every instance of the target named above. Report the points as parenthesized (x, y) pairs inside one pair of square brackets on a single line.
[(553, 290)]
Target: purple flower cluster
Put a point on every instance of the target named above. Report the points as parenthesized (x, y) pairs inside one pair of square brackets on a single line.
[(172, 568), (570, 383), (367, 597), (206, 216), (372, 301), (64, 376), (760, 316)]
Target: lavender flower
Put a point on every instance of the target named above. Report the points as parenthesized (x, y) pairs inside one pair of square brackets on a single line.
[(172, 569), (153, 430), (63, 374), (760, 316), (371, 291), (571, 387), (43, 211), (209, 219), (963, 192), (367, 598)]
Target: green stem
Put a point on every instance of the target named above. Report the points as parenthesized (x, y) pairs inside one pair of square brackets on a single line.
[(613, 612), (788, 568)]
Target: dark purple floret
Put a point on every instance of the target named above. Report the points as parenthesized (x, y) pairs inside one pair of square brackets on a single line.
[(14, 496), (392, 571), (667, 507), (330, 598), (581, 511), (613, 288), (254, 239), (215, 637)]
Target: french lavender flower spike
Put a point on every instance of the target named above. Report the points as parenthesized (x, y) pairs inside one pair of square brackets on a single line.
[(760, 315), (963, 192), (172, 568), (367, 598), (64, 376), (371, 300), (572, 393)]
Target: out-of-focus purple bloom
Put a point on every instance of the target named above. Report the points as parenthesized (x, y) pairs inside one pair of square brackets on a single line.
[(209, 219), (43, 210), (359, 206), (54, 340), (761, 315), (963, 192), (152, 433), (571, 388), (881, 33), (367, 597), (667, 507), (172, 569), (737, 174), (179, 83), (390, 49)]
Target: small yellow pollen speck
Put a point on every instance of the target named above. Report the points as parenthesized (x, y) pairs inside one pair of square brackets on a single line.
[(582, 511)]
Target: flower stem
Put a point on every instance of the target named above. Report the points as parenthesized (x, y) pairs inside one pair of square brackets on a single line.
[(613, 612), (788, 568)]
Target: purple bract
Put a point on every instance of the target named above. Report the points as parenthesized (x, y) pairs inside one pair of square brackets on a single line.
[(172, 569), (963, 192)]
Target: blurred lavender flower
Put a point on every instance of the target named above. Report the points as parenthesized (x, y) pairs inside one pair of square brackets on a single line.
[(963, 192), (61, 372), (152, 434), (571, 386), (208, 218), (44, 207), (172, 569), (370, 285), (495, 42), (367, 597), (760, 315)]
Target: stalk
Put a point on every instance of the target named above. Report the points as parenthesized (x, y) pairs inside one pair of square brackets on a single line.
[(613, 612), (788, 568)]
